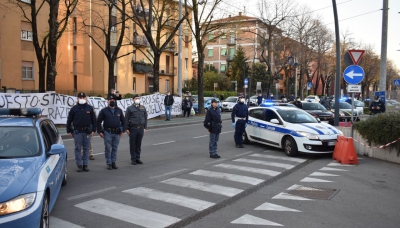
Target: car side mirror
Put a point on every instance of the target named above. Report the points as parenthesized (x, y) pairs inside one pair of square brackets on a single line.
[(57, 149), (319, 121), (275, 121)]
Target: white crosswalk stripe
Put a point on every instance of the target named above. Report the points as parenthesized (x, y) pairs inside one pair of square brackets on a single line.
[(127, 213), (275, 164), (309, 179), (320, 174), (274, 207), (331, 169), (249, 169), (202, 186), (180, 200), (284, 195), (59, 223), (253, 220), (228, 176), (279, 158)]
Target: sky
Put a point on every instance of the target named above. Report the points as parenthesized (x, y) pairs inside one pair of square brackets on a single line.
[(361, 18)]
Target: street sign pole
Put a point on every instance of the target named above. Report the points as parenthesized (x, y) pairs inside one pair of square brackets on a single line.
[(352, 115)]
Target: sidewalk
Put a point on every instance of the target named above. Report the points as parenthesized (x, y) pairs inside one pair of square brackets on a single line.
[(159, 122)]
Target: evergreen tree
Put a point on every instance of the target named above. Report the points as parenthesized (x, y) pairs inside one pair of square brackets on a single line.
[(239, 68)]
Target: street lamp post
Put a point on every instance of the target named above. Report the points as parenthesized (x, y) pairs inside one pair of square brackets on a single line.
[(180, 51)]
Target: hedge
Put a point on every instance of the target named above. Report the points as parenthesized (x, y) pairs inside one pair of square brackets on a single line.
[(211, 93), (381, 129)]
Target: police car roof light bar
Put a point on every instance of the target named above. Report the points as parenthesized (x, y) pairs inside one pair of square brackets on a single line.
[(20, 111)]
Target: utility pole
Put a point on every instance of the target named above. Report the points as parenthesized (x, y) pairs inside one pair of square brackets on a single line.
[(180, 52), (382, 80), (337, 80)]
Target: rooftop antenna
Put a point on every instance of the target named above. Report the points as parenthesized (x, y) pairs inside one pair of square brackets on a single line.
[(244, 10)]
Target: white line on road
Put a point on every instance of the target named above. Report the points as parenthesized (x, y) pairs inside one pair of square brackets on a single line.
[(163, 143), (226, 132), (309, 179), (59, 223), (219, 160), (200, 136), (274, 207), (202, 186), (170, 173), (279, 157), (238, 155), (249, 169), (274, 164), (320, 174), (91, 193), (127, 213), (180, 200), (253, 220), (228, 176), (284, 195)]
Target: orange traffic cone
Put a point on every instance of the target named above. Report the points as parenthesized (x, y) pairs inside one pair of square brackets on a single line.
[(338, 148), (348, 154)]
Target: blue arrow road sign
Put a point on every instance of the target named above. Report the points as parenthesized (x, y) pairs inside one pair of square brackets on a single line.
[(353, 74), (309, 84), (246, 81), (396, 82)]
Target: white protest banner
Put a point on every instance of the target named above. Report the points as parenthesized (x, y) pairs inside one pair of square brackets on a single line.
[(57, 106)]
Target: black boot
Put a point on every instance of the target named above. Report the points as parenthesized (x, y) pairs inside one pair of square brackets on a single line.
[(109, 167), (80, 168), (139, 162), (85, 168), (114, 166)]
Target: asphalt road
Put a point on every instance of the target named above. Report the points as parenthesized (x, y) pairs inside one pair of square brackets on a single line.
[(180, 186)]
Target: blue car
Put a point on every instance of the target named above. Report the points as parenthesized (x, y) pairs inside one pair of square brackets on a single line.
[(207, 104), (33, 167)]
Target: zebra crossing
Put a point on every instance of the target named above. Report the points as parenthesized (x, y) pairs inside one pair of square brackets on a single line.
[(186, 191)]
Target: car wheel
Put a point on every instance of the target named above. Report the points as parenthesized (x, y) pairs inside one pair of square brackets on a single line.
[(45, 217), (65, 175), (245, 138), (290, 147)]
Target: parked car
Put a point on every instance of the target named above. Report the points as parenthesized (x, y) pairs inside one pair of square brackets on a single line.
[(253, 101), (290, 128), (229, 103), (318, 111), (345, 111), (97, 98), (312, 98), (33, 167), (359, 105), (207, 104)]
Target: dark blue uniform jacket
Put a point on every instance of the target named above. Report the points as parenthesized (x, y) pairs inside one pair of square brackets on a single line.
[(213, 121), (111, 120), (82, 117), (240, 110)]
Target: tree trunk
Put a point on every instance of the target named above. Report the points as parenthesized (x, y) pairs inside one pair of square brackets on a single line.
[(111, 81), (156, 73), (200, 83), (52, 45)]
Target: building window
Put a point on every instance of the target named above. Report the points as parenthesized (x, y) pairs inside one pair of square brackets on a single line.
[(151, 85), (27, 70), (75, 82), (186, 41), (134, 84), (166, 85), (113, 24), (210, 36), (186, 63), (210, 52), (223, 36), (223, 51), (223, 67), (115, 82), (26, 35), (75, 28)]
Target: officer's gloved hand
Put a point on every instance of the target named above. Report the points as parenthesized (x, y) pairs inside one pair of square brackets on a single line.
[(234, 125), (245, 125)]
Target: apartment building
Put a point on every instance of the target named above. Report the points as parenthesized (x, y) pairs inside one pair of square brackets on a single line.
[(18, 64)]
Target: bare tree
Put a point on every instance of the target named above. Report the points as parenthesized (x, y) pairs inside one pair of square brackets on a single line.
[(106, 26), (159, 24), (46, 44)]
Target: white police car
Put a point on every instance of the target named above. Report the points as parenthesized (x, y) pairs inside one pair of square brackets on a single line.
[(33, 166), (291, 129)]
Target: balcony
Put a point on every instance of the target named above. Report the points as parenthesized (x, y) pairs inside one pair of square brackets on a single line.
[(171, 24), (171, 47), (140, 41), (231, 41), (140, 12), (167, 70), (139, 67)]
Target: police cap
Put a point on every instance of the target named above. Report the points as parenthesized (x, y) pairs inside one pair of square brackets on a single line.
[(214, 101), (134, 96), (81, 94), (241, 96)]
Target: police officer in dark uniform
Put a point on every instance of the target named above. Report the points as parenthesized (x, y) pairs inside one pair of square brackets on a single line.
[(377, 106), (240, 115), (298, 103), (83, 119), (136, 120), (213, 123), (113, 127)]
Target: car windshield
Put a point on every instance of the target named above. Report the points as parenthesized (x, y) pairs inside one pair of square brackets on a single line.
[(296, 116), (313, 106), (310, 97), (253, 97), (344, 105), (16, 142), (231, 99), (358, 104)]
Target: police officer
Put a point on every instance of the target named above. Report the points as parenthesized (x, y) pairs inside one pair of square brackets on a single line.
[(136, 120), (259, 99), (240, 115), (283, 99), (213, 123), (113, 127), (377, 106), (298, 103), (83, 119)]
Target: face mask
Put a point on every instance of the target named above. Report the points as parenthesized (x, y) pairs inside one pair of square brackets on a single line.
[(298, 100), (284, 100), (168, 94), (112, 103), (242, 100), (137, 101), (82, 101), (187, 98), (376, 100)]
